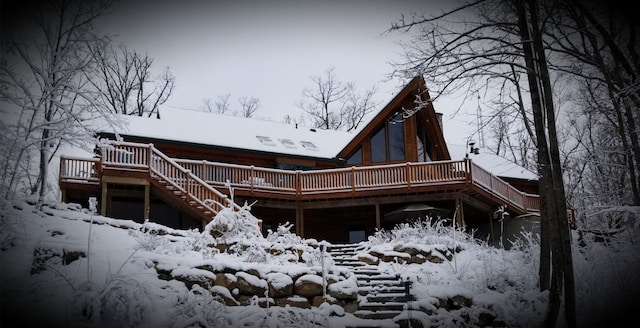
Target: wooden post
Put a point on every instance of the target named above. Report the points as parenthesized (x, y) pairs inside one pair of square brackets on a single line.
[(378, 215), (460, 213), (147, 192), (491, 232), (299, 220), (103, 200)]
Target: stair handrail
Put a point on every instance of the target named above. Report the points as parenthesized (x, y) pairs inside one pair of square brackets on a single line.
[(153, 167), (191, 177)]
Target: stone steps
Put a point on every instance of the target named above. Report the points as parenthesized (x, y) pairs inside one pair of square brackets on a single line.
[(382, 296)]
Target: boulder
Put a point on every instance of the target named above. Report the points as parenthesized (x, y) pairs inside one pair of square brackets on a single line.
[(308, 285)]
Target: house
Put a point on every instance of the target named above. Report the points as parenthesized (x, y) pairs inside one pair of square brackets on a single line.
[(179, 170)]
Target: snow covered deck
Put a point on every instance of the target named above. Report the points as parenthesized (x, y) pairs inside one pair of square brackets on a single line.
[(363, 181)]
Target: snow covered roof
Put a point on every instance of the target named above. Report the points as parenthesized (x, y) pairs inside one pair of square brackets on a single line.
[(237, 132), (493, 163)]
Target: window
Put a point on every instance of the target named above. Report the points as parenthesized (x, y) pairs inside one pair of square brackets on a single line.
[(396, 138), (308, 145), (378, 146), (388, 143), (356, 158), (287, 143), (423, 153), (266, 140)]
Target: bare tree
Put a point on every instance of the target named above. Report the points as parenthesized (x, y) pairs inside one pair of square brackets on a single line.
[(488, 47), (248, 106), (222, 104), (44, 89), (125, 81), (335, 105)]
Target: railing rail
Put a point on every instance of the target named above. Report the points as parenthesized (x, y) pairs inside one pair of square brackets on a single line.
[(196, 178), (79, 169)]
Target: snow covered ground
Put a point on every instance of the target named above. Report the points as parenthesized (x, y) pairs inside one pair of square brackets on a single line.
[(58, 270)]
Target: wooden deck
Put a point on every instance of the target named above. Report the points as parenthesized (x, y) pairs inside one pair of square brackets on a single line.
[(205, 183)]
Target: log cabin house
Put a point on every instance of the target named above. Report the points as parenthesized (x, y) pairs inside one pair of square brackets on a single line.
[(180, 170)]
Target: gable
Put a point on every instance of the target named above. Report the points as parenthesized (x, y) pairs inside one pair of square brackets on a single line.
[(413, 120)]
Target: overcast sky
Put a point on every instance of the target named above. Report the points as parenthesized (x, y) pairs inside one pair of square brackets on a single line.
[(270, 49), (267, 49)]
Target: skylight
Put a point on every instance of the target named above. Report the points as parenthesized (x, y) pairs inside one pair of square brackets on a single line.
[(308, 145), (266, 140), (288, 143)]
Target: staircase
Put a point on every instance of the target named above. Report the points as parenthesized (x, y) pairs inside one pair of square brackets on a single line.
[(176, 184), (381, 296)]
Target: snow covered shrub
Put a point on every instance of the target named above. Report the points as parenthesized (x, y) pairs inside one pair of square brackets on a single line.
[(283, 235), (119, 302), (148, 239), (253, 253), (198, 308), (430, 232), (230, 226)]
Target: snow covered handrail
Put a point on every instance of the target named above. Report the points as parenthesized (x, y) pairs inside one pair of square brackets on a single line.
[(79, 169)]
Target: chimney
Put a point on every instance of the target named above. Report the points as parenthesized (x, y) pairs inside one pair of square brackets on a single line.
[(439, 118)]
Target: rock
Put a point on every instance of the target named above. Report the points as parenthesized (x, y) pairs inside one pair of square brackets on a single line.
[(309, 285), (224, 295), (280, 285), (295, 300), (226, 280), (251, 285)]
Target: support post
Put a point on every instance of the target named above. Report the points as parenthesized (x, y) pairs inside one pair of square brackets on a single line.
[(460, 213), (299, 220), (103, 200), (491, 232), (147, 195), (378, 215)]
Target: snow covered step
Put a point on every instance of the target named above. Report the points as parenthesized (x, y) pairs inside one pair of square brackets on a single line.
[(387, 306), (379, 276), (389, 297), (367, 314), (370, 290)]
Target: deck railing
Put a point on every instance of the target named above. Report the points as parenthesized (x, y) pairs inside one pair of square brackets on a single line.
[(79, 169), (160, 166), (197, 177)]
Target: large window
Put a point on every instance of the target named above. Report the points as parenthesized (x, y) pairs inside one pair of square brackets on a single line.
[(388, 143), (378, 146), (396, 138), (356, 158)]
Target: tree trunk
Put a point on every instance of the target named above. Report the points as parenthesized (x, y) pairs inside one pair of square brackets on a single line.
[(555, 242)]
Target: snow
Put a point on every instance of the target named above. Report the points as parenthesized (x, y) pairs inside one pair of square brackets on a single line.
[(214, 129), (113, 279), (493, 163)]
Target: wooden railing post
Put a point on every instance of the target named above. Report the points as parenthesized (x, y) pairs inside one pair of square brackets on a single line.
[(149, 156), (408, 175), (353, 179), (469, 170), (251, 178), (187, 181), (298, 183)]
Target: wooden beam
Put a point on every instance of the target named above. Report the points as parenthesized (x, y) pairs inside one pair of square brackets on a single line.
[(459, 212), (378, 226), (103, 200), (147, 192), (300, 221), (125, 180)]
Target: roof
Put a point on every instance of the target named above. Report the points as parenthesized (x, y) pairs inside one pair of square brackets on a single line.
[(206, 128), (493, 163)]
